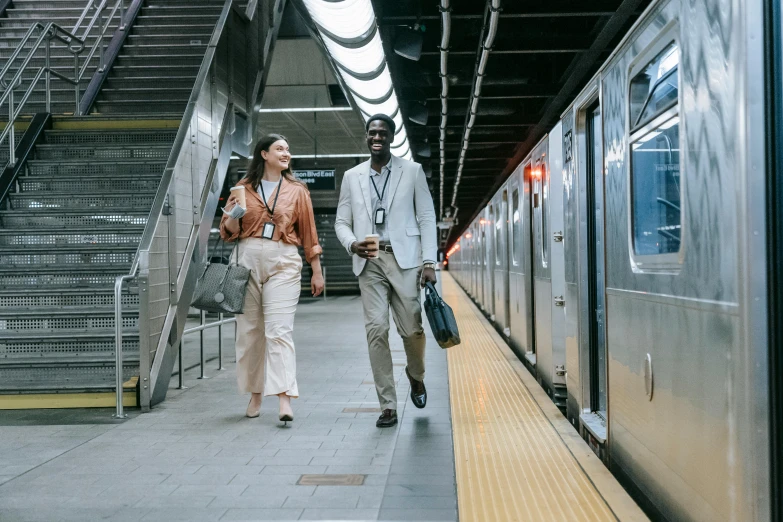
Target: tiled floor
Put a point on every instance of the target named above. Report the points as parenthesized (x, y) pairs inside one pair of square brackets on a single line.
[(196, 457)]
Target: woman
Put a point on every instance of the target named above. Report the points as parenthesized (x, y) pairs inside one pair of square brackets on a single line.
[(278, 218)]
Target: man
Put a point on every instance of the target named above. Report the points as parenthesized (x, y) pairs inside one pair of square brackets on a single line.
[(389, 196)]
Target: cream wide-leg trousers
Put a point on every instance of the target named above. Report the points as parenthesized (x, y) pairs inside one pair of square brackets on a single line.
[(266, 360)]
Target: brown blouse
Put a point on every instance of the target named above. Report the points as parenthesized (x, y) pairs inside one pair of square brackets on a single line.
[(293, 218)]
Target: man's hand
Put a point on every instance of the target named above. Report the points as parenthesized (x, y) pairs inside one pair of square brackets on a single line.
[(428, 276), (364, 249)]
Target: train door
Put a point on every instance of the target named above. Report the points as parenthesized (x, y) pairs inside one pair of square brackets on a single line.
[(519, 281), (596, 263), (557, 265), (489, 262), (500, 260), (542, 284)]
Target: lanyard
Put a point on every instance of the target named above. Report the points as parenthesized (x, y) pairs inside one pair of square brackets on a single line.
[(263, 196), (383, 191)]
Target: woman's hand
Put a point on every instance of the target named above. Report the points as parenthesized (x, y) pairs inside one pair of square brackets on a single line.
[(233, 210), (317, 284)]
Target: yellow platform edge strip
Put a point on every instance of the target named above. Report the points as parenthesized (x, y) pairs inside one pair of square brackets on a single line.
[(516, 456), (44, 401)]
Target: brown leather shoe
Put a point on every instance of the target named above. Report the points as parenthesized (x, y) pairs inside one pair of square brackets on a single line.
[(418, 391), (387, 419)]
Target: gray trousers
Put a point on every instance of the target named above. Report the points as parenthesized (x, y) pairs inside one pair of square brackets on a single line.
[(382, 284)]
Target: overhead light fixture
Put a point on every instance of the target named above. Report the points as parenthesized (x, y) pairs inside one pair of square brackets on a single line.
[(350, 35), (418, 113), (408, 43)]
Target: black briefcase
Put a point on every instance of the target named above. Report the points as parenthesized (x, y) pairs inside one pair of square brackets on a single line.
[(441, 318)]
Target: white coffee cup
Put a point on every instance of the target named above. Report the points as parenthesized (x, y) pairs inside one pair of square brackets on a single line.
[(375, 239), (239, 193)]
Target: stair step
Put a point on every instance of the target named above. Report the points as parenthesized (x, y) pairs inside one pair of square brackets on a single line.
[(117, 83), (126, 106), (58, 219), (80, 375), (165, 49), (95, 168), (81, 201), (80, 184), (138, 151), (74, 319), (57, 281), (34, 298), (156, 94), (94, 137), (56, 269), (153, 71), (128, 235), (203, 30), (189, 59)]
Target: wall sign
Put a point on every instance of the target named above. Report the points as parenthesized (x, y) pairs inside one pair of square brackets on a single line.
[(317, 179)]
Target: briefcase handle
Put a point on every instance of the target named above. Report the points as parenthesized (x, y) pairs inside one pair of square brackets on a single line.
[(430, 289)]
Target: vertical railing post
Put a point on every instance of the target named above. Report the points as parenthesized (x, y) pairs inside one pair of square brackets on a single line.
[(118, 361), (220, 342), (122, 15), (76, 79), (181, 372), (11, 135), (48, 75), (203, 316)]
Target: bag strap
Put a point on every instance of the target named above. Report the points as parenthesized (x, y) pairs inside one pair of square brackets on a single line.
[(429, 288)]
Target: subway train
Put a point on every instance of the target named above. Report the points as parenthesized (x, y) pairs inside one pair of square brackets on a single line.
[(625, 262)]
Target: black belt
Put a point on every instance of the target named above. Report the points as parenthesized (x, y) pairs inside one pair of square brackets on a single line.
[(385, 246)]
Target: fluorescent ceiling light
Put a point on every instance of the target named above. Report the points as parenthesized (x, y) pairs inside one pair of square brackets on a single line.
[(349, 32)]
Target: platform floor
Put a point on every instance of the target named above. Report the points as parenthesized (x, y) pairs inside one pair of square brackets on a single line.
[(509, 454)]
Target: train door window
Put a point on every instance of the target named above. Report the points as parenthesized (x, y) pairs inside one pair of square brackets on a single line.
[(544, 214), (656, 188), (516, 228), (596, 260)]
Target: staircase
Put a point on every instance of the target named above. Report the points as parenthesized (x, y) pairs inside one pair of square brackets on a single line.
[(19, 18), (158, 64), (94, 197), (71, 226)]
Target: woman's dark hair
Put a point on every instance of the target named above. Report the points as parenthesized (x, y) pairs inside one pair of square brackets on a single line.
[(256, 169)]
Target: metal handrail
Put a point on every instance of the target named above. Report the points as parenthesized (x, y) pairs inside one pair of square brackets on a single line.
[(75, 45)]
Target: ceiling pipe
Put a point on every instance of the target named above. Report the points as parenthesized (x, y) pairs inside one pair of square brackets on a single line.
[(489, 31), (445, 13)]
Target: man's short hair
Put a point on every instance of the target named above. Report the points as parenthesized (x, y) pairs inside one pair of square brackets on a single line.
[(382, 117)]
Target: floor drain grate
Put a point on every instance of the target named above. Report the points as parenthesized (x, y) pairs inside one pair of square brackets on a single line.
[(331, 480)]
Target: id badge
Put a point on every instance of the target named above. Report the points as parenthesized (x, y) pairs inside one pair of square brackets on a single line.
[(268, 231), (380, 216)]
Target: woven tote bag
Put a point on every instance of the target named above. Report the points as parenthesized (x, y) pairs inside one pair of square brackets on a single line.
[(221, 287)]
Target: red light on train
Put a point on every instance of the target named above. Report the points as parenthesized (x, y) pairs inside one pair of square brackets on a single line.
[(468, 236), (536, 173)]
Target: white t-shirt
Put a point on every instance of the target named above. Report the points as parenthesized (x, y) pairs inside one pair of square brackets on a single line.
[(270, 191)]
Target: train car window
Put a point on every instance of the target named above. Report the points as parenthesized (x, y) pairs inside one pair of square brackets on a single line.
[(516, 228), (655, 156), (498, 224), (544, 176)]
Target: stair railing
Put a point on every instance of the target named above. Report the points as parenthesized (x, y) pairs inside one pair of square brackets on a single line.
[(76, 45)]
